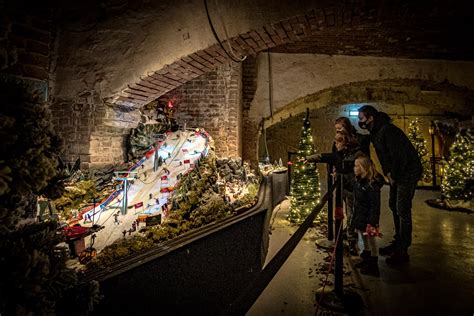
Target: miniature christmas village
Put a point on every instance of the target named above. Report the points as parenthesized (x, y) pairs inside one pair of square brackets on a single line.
[(174, 183)]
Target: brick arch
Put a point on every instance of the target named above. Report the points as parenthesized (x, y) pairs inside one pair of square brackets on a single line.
[(355, 28), (268, 36), (394, 91)]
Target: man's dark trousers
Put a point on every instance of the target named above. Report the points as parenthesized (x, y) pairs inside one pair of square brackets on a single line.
[(400, 202)]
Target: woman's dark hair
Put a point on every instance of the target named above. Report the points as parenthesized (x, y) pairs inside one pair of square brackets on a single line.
[(368, 110), (346, 123)]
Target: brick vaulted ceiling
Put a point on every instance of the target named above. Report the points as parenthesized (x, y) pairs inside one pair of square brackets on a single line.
[(423, 30)]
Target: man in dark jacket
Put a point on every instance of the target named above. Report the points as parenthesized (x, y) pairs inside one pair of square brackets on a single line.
[(402, 166)]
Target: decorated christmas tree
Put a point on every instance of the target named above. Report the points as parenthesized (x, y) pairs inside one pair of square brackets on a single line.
[(459, 169), (34, 278), (305, 190), (416, 138)]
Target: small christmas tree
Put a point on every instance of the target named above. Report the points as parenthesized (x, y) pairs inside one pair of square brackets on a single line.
[(459, 169), (416, 138), (305, 190)]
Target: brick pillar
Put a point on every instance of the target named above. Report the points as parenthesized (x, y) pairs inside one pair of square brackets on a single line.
[(213, 101), (250, 127)]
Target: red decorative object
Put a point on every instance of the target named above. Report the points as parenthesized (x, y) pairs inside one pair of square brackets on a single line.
[(186, 161), (339, 213), (150, 153), (139, 204), (75, 231), (164, 178), (372, 231), (289, 163)]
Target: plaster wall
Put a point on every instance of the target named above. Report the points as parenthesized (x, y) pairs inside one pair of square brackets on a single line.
[(294, 76), (300, 81)]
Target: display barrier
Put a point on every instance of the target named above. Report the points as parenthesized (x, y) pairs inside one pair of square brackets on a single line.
[(248, 297), (199, 272)]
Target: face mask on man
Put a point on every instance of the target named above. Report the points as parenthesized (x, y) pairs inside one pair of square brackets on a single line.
[(363, 125)]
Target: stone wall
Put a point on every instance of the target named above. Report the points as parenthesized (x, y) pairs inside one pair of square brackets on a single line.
[(27, 42), (135, 51), (250, 128), (93, 131), (213, 101), (113, 58)]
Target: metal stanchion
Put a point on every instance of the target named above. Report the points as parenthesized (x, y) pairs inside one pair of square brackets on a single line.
[(290, 153), (339, 217), (329, 242), (336, 298)]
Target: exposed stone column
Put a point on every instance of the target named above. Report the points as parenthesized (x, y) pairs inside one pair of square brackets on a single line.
[(250, 126)]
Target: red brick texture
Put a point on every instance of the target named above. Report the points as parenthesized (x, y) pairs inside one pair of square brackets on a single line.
[(212, 101)]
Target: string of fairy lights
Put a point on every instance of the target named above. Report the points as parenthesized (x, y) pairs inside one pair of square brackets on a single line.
[(416, 137), (459, 169)]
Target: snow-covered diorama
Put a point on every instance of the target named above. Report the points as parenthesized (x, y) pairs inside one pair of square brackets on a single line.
[(176, 186)]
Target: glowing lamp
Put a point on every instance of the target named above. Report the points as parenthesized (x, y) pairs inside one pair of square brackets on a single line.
[(432, 128)]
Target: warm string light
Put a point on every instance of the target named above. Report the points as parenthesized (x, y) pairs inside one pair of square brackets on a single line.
[(458, 169), (305, 189), (416, 138)]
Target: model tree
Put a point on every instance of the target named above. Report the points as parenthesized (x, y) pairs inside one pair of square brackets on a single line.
[(459, 169), (34, 278), (416, 138), (305, 190)]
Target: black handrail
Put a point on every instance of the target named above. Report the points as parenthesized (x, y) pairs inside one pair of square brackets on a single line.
[(243, 303)]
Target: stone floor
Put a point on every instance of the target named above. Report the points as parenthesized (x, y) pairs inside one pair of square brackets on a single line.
[(439, 280)]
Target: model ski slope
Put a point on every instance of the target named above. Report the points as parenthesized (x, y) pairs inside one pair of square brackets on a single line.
[(149, 191)]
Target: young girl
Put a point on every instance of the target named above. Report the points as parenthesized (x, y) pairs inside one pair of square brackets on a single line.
[(346, 149), (366, 212)]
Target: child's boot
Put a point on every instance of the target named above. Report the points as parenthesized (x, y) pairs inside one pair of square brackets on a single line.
[(372, 267), (365, 256)]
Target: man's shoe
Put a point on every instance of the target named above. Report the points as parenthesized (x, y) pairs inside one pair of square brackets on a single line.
[(361, 264), (365, 254), (371, 268), (388, 250), (398, 257)]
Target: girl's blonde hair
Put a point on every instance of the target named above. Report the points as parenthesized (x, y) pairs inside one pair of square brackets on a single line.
[(368, 165)]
